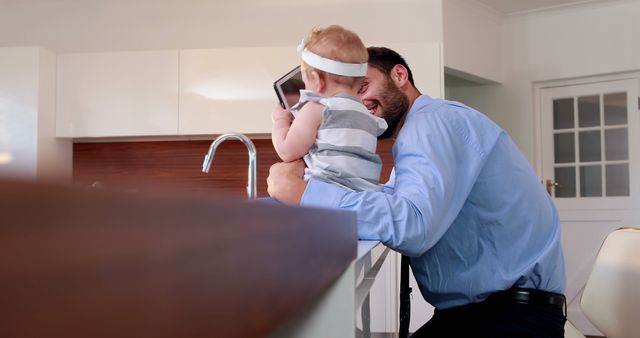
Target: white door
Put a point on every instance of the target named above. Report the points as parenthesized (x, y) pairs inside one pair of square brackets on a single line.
[(590, 162), (588, 147)]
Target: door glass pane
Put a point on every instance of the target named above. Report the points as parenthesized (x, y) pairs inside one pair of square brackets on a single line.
[(591, 181), (616, 144), (589, 142), (615, 109), (563, 113), (564, 147), (617, 178), (566, 178), (589, 111)]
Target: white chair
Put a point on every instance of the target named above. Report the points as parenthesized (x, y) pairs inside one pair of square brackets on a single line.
[(611, 297), (570, 331)]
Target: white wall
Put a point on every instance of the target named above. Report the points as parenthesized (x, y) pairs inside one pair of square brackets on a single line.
[(28, 149), (113, 25), (572, 42), (473, 40), (18, 112)]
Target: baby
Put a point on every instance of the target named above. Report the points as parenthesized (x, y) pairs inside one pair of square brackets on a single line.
[(332, 129)]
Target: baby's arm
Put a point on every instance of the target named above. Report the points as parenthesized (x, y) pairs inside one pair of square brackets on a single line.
[(293, 140)]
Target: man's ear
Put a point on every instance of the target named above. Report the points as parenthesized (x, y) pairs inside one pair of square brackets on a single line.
[(399, 75)]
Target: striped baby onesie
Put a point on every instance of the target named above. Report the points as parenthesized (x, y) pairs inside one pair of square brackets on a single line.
[(344, 152)]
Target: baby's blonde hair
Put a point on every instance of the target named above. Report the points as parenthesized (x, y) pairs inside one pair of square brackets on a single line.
[(337, 43)]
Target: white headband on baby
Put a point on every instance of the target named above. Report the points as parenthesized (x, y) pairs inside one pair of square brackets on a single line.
[(332, 66)]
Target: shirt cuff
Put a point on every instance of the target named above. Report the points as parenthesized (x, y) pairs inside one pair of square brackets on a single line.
[(322, 195)]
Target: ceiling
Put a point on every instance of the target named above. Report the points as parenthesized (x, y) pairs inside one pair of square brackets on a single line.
[(518, 6), (503, 6)]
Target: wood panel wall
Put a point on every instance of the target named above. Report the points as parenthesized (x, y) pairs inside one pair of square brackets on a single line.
[(139, 166)]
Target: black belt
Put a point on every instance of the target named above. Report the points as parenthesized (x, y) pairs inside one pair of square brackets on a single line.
[(532, 296)]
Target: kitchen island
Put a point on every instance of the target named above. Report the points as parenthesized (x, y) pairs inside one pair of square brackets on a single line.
[(77, 262), (335, 313)]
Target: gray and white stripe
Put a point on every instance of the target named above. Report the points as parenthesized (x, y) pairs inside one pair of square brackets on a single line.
[(345, 149)]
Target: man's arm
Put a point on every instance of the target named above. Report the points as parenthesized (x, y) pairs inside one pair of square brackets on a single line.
[(285, 182), (436, 164)]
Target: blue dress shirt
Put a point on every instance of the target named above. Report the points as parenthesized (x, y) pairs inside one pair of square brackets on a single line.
[(463, 203)]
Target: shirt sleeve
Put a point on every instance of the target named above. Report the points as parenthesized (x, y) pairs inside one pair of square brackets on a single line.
[(437, 160)]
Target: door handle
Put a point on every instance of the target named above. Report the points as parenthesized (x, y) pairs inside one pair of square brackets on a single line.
[(550, 185)]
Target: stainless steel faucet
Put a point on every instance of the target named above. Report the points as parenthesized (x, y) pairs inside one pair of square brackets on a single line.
[(206, 165)]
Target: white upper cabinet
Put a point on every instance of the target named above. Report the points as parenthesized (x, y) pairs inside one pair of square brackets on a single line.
[(231, 89), (191, 92), (117, 94)]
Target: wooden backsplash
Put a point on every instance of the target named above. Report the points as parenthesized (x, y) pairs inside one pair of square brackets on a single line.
[(136, 166)]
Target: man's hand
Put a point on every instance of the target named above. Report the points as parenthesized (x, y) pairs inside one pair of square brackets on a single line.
[(285, 182)]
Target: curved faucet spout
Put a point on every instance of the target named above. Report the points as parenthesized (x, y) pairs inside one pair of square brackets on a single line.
[(206, 165)]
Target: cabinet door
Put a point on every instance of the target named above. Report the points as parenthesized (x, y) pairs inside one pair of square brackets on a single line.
[(231, 89), (117, 94)]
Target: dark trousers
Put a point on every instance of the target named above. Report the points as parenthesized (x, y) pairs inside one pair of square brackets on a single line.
[(497, 317)]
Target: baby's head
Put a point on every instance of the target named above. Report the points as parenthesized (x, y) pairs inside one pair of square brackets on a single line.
[(334, 43)]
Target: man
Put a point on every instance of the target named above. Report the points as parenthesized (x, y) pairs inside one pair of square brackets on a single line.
[(463, 203)]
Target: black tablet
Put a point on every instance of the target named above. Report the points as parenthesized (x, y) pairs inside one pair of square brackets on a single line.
[(288, 88)]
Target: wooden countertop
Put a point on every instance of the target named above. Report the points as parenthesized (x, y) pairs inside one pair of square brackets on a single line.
[(84, 263)]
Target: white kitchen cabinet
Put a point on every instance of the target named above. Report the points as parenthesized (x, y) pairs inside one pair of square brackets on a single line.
[(231, 89), (117, 94), (190, 92)]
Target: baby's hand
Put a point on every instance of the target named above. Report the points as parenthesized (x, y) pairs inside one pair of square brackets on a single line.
[(280, 113)]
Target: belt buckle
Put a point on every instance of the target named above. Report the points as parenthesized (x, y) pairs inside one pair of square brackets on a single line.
[(522, 296)]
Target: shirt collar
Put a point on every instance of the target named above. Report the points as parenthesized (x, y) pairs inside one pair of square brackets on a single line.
[(420, 102)]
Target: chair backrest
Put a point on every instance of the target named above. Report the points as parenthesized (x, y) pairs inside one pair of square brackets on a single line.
[(611, 297), (570, 331)]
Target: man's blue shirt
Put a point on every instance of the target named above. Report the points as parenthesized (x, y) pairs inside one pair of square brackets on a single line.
[(463, 203)]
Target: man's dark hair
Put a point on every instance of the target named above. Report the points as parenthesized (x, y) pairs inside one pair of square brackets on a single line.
[(384, 59)]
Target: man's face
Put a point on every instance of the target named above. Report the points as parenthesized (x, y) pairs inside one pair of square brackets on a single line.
[(384, 99)]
